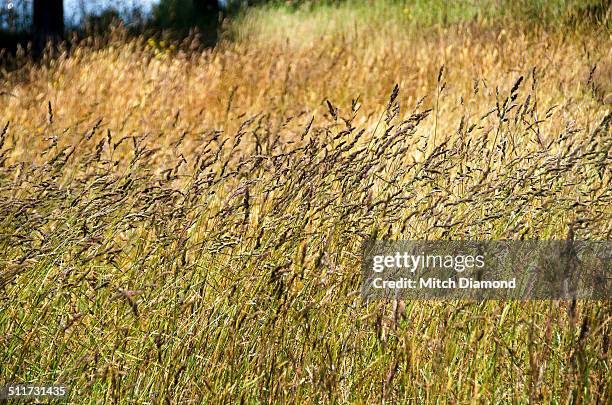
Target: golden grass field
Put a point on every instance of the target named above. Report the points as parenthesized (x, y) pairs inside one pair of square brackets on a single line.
[(184, 226)]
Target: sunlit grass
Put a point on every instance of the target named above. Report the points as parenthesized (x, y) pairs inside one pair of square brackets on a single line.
[(185, 226)]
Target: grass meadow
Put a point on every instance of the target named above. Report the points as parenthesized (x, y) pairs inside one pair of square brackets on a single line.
[(181, 226)]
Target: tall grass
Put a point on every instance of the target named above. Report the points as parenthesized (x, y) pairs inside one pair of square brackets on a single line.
[(324, 17), (184, 226)]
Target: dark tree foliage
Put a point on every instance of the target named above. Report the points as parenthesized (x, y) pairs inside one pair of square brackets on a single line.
[(206, 6), (47, 23), (181, 16)]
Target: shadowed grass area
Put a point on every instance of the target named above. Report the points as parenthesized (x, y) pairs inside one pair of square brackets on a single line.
[(185, 226)]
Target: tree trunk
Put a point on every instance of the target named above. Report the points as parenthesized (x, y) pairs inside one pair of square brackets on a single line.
[(47, 24)]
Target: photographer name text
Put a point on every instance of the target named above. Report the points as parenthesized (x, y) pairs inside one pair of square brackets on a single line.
[(411, 263)]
